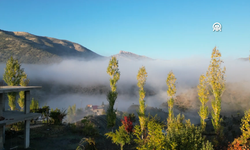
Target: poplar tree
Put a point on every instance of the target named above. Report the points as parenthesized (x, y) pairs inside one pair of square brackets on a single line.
[(216, 80), (12, 77), (34, 104), (203, 97), (114, 73), (171, 93), (71, 112), (141, 78), (23, 82)]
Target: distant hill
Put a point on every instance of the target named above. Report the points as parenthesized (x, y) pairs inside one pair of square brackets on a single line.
[(29, 48), (131, 56)]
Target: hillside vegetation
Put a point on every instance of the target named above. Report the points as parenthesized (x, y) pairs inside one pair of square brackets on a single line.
[(32, 49)]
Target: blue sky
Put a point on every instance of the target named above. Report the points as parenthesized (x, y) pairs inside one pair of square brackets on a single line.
[(161, 29)]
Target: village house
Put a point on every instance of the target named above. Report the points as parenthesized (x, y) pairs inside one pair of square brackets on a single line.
[(95, 109)]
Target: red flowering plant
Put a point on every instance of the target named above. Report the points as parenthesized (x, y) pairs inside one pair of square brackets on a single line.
[(128, 125)]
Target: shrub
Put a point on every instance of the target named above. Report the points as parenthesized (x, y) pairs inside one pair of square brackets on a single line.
[(184, 135), (128, 125), (87, 143), (120, 137), (19, 126), (154, 137), (57, 115), (237, 144), (34, 104), (89, 128)]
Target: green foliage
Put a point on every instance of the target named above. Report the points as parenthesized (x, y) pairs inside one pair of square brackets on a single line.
[(120, 137), (45, 112), (182, 135), (155, 138), (111, 113), (216, 80), (245, 127), (34, 104), (71, 113), (138, 140), (207, 146), (19, 126), (74, 110), (114, 73), (57, 115), (12, 100), (203, 97), (89, 128), (12, 77), (171, 92), (87, 144), (13, 72), (23, 82), (132, 117), (141, 78)]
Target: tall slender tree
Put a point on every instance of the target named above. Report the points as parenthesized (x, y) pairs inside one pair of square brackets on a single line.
[(71, 112), (203, 97), (12, 77), (23, 82), (216, 80), (171, 93), (114, 73), (141, 78), (34, 104)]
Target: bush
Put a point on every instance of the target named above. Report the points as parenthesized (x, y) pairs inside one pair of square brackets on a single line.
[(154, 138), (89, 128), (120, 137), (34, 104), (87, 143), (184, 135), (19, 126), (128, 125), (57, 115)]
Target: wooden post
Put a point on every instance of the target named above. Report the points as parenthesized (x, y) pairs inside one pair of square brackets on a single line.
[(1, 138), (27, 102), (1, 104), (2, 132), (27, 122)]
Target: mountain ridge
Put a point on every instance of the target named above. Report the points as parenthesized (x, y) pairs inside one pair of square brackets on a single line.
[(30, 48), (131, 56)]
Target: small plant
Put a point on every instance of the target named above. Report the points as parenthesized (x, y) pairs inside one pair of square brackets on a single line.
[(57, 115), (245, 127), (34, 104), (87, 143), (120, 137), (89, 128), (19, 126), (71, 113), (128, 125), (182, 135), (132, 117)]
